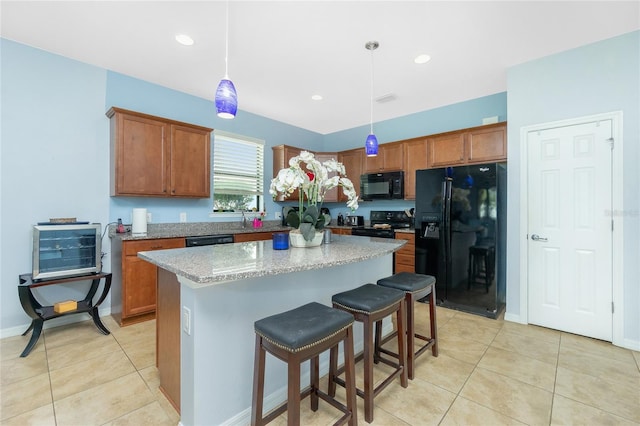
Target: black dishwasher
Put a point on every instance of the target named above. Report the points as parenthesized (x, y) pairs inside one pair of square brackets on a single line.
[(208, 240)]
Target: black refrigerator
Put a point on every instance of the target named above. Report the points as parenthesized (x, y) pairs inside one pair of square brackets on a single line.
[(460, 222)]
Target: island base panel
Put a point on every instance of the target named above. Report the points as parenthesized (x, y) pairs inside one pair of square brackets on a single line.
[(168, 336), (216, 384)]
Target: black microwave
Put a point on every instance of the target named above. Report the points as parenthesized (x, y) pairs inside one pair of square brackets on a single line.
[(382, 186)]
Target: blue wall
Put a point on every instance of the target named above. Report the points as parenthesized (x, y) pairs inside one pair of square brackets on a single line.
[(55, 145), (54, 156), (593, 79), (137, 95)]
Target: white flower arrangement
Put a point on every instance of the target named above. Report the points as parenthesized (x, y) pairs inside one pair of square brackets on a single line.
[(312, 183)]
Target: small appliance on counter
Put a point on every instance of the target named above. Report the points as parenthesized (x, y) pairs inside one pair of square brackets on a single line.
[(354, 221)]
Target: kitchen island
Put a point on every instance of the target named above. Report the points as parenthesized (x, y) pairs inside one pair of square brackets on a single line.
[(209, 297)]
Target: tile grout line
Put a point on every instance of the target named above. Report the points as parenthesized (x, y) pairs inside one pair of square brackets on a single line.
[(475, 366)]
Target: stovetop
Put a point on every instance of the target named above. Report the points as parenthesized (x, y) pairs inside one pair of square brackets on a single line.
[(390, 219), (383, 224)]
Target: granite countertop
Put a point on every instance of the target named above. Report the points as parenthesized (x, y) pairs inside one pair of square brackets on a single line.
[(209, 265), (181, 230)]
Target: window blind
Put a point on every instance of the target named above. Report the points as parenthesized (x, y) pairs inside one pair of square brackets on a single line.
[(238, 165)]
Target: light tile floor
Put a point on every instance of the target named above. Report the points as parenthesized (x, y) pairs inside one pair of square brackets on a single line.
[(489, 372)]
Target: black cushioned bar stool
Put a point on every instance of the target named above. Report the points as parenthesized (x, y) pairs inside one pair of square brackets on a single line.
[(294, 337), (415, 287), (368, 304)]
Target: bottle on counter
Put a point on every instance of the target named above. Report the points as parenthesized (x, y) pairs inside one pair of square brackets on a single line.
[(340, 219)]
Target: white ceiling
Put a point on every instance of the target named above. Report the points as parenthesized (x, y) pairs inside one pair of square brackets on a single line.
[(282, 52)]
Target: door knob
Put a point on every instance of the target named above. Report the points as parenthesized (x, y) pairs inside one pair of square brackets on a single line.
[(536, 237)]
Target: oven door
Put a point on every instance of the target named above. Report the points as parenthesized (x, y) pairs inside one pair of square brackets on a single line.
[(369, 232)]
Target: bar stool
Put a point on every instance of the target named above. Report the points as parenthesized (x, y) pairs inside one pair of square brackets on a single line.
[(368, 304), (481, 265), (415, 287), (294, 337)]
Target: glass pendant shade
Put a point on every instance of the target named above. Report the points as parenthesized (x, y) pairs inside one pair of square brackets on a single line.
[(371, 145), (226, 99)]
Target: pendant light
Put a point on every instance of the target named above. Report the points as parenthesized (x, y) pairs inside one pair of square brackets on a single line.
[(371, 144), (226, 96)]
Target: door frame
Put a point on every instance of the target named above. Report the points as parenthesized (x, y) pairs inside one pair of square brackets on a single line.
[(617, 332)]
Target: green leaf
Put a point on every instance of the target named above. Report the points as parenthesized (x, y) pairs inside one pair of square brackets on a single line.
[(308, 231), (310, 215), (293, 219)]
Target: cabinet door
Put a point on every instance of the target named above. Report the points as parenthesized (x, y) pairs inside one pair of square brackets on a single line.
[(446, 150), (190, 162), (352, 161), (415, 158), (484, 145), (331, 195), (389, 158), (140, 152), (140, 296), (139, 277), (281, 156), (405, 257), (393, 157)]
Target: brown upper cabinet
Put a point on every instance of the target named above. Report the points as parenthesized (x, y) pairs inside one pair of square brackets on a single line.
[(415, 158), (158, 157), (475, 145), (281, 156), (389, 158), (332, 194), (353, 161)]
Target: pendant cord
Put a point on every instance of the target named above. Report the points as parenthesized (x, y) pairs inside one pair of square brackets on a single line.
[(226, 47), (371, 103)]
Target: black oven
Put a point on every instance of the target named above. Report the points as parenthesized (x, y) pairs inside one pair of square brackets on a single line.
[(382, 186)]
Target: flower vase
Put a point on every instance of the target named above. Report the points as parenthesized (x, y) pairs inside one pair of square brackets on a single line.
[(296, 239)]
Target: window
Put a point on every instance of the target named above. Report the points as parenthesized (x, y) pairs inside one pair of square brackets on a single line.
[(238, 173)]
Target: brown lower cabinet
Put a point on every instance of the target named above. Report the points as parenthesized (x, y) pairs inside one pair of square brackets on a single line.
[(405, 258), (133, 291), (255, 236), (341, 231)]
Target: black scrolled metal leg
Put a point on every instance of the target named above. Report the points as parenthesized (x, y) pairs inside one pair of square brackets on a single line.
[(30, 328), (96, 320), (37, 329)]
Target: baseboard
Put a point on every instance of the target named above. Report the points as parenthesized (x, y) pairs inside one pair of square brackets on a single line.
[(634, 345), (56, 322), (513, 318)]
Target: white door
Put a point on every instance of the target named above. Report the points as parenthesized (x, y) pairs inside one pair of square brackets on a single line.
[(570, 229)]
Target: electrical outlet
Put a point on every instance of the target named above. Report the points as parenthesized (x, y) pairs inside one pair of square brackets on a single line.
[(186, 320), (183, 217), (149, 217), (278, 215)]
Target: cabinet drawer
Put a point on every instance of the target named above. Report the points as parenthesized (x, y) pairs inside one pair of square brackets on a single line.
[(131, 248), (404, 268), (405, 259)]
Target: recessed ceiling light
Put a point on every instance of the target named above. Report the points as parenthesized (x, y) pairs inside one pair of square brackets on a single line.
[(316, 97), (422, 59), (184, 39)]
